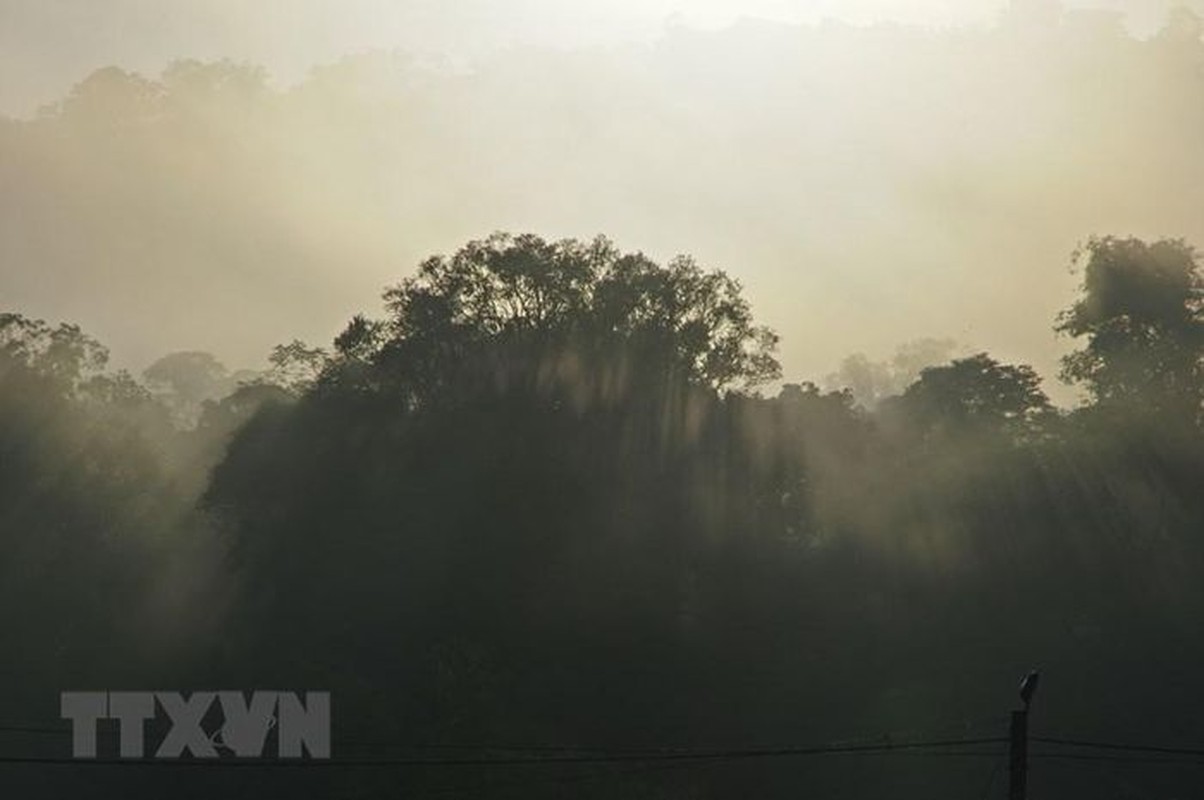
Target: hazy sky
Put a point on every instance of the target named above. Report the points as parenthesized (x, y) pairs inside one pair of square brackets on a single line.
[(48, 45), (868, 187)]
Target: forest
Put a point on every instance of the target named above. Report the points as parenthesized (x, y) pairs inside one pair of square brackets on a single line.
[(541, 501), (321, 388)]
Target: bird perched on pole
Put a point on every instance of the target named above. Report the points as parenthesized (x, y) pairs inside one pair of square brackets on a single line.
[(1028, 686)]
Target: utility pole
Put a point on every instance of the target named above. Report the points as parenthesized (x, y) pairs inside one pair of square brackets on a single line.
[(1018, 741)]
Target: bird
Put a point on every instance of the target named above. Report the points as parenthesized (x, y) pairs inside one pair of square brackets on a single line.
[(1028, 686)]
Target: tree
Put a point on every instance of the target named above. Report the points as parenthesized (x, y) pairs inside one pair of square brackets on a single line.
[(220, 419), (871, 382), (204, 86), (1141, 314), (111, 98), (1033, 15), (517, 310), (295, 366), (63, 354), (975, 393), (1183, 28), (186, 380)]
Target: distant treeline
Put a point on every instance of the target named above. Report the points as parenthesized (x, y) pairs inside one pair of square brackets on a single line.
[(540, 500), (907, 180)]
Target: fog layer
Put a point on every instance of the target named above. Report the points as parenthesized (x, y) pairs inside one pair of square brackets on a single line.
[(868, 185)]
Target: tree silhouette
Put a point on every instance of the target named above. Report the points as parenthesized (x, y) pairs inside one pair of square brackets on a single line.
[(530, 505), (187, 379), (975, 393), (1142, 314), (524, 312), (63, 353)]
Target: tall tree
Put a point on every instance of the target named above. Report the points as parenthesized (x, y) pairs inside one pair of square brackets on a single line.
[(1142, 315), (976, 392), (185, 380), (517, 310)]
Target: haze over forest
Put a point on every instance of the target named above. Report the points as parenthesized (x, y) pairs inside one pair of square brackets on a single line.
[(606, 407), (870, 185)]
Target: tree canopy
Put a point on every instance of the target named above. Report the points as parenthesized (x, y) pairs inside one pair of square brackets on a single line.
[(975, 392), (532, 503), (525, 310), (1142, 316)]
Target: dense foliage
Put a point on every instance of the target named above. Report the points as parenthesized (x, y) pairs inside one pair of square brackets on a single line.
[(539, 502)]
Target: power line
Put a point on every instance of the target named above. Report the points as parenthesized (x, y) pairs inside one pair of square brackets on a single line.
[(552, 755), (1136, 748), (880, 739), (1186, 762), (908, 748)]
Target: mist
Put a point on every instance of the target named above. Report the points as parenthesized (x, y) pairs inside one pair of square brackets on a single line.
[(890, 183), (691, 400)]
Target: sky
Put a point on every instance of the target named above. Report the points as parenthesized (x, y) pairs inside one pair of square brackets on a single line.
[(869, 186), (48, 45)]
